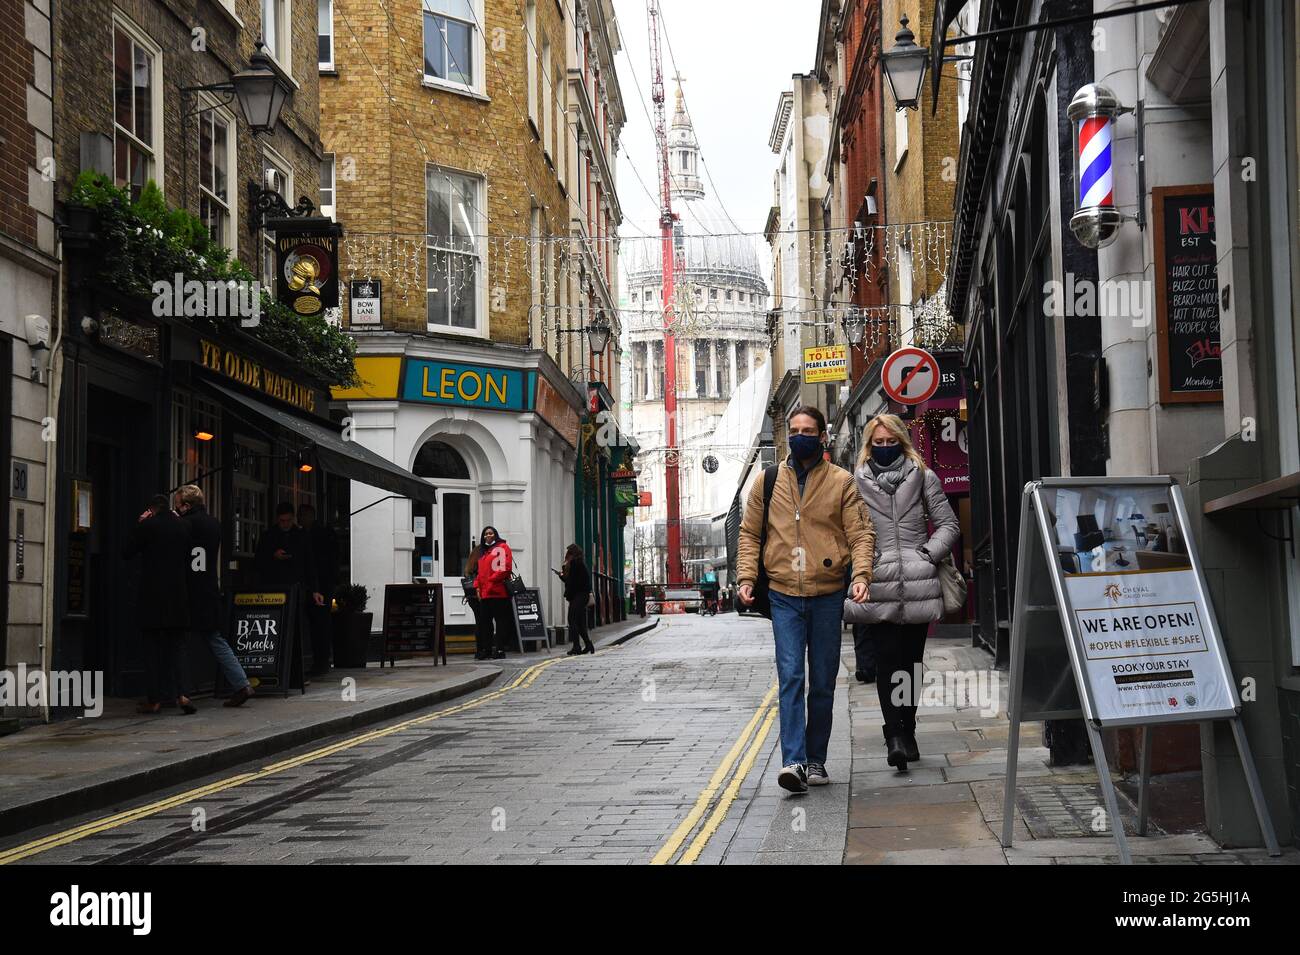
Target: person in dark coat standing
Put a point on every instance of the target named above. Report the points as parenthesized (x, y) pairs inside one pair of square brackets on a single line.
[(577, 591), (325, 556), (205, 588), (495, 564), (284, 559), (162, 541)]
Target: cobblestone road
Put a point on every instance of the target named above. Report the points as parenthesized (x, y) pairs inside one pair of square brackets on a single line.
[(650, 751)]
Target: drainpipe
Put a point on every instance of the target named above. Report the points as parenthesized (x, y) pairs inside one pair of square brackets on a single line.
[(51, 483)]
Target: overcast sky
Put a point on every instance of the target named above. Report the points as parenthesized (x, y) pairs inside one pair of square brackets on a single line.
[(737, 56)]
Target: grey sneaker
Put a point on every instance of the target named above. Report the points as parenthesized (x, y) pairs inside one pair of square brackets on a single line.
[(794, 778), (817, 775)]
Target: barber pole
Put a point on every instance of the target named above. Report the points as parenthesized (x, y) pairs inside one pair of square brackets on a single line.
[(1092, 112)]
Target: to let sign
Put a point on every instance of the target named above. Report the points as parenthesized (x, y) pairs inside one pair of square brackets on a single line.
[(1187, 294), (825, 363)]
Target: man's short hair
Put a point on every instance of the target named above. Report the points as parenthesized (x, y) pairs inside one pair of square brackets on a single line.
[(284, 508), (190, 494), (812, 412), (159, 503)]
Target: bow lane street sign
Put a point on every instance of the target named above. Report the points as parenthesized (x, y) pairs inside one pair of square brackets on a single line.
[(910, 376)]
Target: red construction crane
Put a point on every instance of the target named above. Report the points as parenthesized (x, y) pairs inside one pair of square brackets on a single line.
[(668, 254)]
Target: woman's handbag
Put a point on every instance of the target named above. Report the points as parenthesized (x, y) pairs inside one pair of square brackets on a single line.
[(591, 600), (951, 583), (515, 585)]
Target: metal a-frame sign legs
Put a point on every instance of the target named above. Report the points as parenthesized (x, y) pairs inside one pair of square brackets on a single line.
[(1059, 672)]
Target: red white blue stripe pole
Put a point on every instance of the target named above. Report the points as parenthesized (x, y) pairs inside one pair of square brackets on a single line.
[(1092, 112)]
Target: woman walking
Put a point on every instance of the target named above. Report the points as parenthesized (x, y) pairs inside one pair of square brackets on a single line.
[(494, 619), (904, 497), (577, 591)]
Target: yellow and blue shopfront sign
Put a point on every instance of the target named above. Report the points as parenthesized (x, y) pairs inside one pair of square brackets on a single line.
[(470, 386)]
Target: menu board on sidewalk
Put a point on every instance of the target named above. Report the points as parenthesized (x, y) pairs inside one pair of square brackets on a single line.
[(1187, 294), (263, 634), (413, 620), (529, 623)]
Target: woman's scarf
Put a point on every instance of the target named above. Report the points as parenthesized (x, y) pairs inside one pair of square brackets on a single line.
[(889, 477)]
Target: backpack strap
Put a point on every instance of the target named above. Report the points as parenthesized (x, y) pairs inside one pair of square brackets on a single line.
[(769, 487)]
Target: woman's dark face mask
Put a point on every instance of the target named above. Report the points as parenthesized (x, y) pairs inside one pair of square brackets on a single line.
[(886, 454)]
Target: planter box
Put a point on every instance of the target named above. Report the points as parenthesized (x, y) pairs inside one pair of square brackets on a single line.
[(351, 633)]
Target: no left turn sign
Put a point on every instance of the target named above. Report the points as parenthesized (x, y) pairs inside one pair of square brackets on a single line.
[(910, 376)]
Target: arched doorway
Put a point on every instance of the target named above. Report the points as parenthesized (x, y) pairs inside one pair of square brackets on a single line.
[(450, 527)]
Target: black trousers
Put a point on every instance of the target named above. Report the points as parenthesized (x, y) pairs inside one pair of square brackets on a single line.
[(899, 648), (322, 644), (165, 665), (578, 621), (494, 624), (864, 649)]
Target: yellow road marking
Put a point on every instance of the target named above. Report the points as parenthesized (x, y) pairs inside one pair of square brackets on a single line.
[(729, 795), (669, 848), (77, 833)]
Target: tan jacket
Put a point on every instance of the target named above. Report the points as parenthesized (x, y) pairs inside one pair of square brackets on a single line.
[(810, 540)]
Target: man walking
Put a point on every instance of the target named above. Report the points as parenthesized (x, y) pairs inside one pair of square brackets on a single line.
[(804, 524), (204, 588)]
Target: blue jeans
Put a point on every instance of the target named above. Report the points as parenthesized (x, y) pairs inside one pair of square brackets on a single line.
[(806, 626), (231, 671)]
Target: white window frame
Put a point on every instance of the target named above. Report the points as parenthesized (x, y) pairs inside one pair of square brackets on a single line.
[(477, 86), (323, 66), (232, 170), (530, 58), (272, 158), (143, 39), (331, 208), (480, 329), (282, 51)]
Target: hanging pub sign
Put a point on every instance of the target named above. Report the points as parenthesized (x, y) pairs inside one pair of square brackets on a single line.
[(306, 264), (1113, 623), (1187, 294), (365, 298)]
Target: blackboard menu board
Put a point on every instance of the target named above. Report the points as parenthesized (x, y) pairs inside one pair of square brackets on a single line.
[(413, 620), (263, 634), (529, 623), (1187, 294)]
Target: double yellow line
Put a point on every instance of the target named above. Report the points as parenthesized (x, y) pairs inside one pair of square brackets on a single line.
[(524, 680), (755, 735)]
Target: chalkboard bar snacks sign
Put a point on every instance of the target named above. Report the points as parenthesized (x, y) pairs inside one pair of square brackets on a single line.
[(263, 634), (413, 621), (529, 623), (1187, 294)]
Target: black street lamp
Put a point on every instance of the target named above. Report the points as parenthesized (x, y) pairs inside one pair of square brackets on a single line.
[(261, 90), (598, 333), (855, 327), (904, 66)]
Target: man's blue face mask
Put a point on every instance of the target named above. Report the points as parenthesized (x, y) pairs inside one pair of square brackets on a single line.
[(805, 447)]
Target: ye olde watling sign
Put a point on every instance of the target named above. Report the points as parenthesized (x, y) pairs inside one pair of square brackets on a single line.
[(251, 374), (306, 265)]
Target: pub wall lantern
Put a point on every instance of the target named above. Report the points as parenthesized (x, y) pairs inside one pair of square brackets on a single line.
[(904, 66), (261, 91), (1093, 112)]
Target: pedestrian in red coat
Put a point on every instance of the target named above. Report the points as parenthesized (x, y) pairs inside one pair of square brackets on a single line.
[(495, 622)]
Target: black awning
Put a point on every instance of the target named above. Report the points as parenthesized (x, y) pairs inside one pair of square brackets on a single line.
[(347, 458)]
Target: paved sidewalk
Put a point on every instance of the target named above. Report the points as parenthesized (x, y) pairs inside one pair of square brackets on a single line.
[(948, 808), (72, 766)]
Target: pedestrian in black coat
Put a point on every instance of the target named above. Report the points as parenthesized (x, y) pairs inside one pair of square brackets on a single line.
[(325, 558), (206, 606), (284, 556), (577, 591), (162, 541)]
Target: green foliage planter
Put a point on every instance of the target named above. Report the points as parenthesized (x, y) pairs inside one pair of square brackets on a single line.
[(143, 242)]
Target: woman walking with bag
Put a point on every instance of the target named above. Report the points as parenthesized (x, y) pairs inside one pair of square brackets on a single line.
[(494, 620), (577, 591), (907, 587)]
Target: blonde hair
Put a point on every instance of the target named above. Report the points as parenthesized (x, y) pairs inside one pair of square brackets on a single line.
[(894, 425), (190, 494)]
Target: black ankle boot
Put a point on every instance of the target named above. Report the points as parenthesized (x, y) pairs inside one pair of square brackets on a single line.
[(897, 753), (909, 747)]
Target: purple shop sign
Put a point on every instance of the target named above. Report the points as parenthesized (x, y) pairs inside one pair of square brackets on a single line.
[(940, 436)]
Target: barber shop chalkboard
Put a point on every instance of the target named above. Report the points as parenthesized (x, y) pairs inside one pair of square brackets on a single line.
[(1187, 294), (413, 621), (529, 623), (264, 635)]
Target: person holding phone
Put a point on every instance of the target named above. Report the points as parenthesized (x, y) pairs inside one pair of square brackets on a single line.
[(577, 592)]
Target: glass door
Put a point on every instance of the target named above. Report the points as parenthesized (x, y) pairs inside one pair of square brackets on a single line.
[(455, 534)]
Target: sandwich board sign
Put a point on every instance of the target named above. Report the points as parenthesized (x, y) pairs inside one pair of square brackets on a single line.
[(1113, 623)]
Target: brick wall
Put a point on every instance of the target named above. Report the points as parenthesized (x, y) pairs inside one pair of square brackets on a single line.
[(201, 43), (17, 137)]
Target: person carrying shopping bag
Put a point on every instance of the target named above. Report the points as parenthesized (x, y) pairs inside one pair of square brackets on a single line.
[(577, 591), (903, 497)]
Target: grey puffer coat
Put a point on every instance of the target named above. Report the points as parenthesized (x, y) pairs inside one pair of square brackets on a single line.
[(905, 580)]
